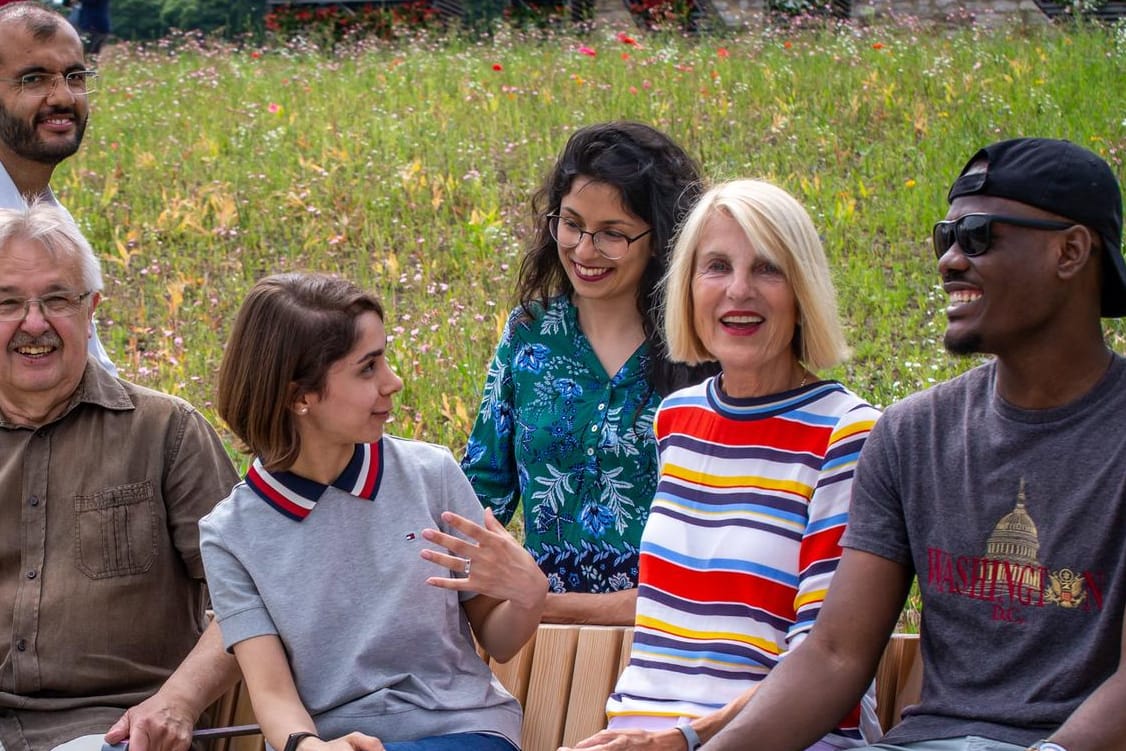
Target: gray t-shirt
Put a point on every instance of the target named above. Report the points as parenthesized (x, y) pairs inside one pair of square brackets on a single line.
[(1013, 520), (335, 572)]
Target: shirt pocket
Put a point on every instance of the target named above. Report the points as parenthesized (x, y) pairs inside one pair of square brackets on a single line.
[(115, 531)]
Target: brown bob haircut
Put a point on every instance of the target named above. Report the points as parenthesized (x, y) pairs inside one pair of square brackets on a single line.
[(290, 330)]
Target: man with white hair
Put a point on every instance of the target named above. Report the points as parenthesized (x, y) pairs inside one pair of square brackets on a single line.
[(102, 485)]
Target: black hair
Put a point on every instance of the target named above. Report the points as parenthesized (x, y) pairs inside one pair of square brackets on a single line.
[(659, 183)]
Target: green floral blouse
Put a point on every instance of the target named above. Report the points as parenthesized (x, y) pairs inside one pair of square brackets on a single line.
[(575, 444)]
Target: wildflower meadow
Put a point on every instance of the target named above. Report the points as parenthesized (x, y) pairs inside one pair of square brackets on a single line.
[(408, 165)]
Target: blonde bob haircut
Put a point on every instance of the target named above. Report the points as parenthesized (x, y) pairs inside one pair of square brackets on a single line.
[(781, 232)]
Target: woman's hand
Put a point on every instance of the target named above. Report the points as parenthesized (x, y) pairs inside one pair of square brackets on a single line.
[(491, 562), (632, 740), (511, 588), (350, 742)]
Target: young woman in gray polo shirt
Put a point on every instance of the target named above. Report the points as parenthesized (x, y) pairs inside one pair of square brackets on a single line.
[(351, 570)]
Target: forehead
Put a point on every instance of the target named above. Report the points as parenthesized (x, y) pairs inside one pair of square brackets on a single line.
[(25, 264), (370, 337), (20, 50), (722, 233), (594, 194), (979, 204)]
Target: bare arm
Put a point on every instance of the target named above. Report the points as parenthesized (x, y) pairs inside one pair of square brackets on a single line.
[(1098, 723), (277, 705), (609, 609), (510, 587), (820, 681), (817, 684), (670, 739), (164, 722)]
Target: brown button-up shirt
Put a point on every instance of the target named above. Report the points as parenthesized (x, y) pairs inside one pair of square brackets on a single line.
[(101, 583)]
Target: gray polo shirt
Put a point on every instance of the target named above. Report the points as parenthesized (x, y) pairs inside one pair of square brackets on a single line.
[(334, 571)]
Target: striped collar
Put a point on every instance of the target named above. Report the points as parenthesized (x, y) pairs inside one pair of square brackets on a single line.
[(295, 496)]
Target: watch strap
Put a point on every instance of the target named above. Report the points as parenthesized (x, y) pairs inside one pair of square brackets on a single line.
[(691, 737), (295, 738)]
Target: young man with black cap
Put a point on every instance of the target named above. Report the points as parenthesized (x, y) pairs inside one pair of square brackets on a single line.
[(1002, 489)]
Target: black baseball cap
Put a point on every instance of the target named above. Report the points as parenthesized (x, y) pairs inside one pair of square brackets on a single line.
[(1062, 178)]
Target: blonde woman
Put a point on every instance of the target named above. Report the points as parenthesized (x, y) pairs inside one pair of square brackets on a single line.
[(755, 472)]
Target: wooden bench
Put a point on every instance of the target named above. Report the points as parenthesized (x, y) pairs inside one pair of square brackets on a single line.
[(563, 675)]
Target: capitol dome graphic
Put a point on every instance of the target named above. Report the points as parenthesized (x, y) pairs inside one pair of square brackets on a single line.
[(1016, 541)]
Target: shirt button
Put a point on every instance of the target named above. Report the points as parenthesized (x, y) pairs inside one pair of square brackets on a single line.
[(593, 428), (31, 574), (590, 452), (602, 406), (21, 645), (33, 500)]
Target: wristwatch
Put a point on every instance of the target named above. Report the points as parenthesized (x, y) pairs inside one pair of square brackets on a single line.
[(295, 738), (693, 739), (1046, 745)]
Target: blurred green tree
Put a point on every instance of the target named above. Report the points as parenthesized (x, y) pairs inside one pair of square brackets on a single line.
[(151, 19)]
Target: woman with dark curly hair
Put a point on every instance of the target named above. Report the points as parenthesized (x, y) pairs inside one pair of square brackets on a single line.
[(565, 426)]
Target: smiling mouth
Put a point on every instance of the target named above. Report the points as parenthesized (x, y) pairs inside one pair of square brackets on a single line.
[(57, 121), (590, 273), (742, 321), (35, 350), (963, 296)]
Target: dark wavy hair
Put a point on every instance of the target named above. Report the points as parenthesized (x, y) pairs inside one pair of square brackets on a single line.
[(659, 183)]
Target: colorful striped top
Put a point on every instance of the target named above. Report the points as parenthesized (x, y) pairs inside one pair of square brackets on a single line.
[(741, 543)]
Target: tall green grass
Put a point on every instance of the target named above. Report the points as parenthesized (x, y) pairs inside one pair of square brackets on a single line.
[(408, 168)]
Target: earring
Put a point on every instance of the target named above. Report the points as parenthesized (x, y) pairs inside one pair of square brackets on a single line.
[(303, 410)]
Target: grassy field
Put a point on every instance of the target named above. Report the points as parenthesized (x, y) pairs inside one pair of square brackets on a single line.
[(408, 168)]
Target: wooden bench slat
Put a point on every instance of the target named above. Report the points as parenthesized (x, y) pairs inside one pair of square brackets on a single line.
[(597, 657), (515, 674), (549, 687), (899, 678), (627, 647)]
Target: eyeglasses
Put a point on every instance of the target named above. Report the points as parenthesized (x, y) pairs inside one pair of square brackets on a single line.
[(613, 245), (57, 305), (78, 82), (974, 232)]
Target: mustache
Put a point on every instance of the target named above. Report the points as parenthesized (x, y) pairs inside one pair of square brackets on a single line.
[(23, 339), (953, 276), (53, 111)]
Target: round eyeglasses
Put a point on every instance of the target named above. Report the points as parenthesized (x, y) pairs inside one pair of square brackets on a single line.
[(55, 305), (78, 82), (610, 243)]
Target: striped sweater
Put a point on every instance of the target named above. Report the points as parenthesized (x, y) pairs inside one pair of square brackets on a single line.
[(741, 543)]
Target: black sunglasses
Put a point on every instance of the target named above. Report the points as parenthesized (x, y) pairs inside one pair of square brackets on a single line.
[(974, 232)]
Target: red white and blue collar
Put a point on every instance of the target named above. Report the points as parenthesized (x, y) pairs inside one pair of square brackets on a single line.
[(295, 496)]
